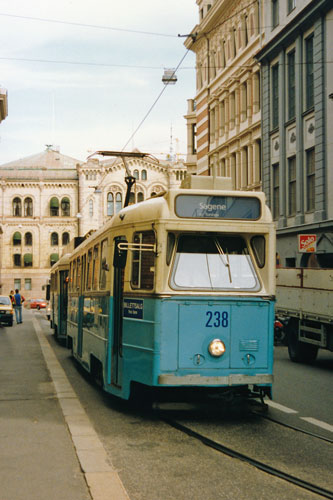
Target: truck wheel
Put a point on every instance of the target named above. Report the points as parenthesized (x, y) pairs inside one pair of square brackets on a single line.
[(300, 352)]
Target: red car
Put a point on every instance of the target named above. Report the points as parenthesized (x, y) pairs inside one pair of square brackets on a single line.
[(36, 303)]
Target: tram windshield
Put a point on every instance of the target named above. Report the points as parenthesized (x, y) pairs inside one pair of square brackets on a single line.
[(213, 262)]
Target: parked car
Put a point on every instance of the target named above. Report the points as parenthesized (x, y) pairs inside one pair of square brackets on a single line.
[(6, 310), (35, 304)]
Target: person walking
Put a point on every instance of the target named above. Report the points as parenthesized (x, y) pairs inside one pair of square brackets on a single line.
[(19, 299)]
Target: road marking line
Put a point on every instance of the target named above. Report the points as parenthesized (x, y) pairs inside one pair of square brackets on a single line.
[(277, 406), (102, 480), (319, 423)]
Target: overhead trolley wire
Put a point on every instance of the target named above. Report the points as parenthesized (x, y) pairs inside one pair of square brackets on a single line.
[(84, 25)]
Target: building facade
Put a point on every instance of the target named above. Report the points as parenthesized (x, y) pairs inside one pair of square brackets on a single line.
[(297, 111), (224, 118), (48, 199), (3, 104)]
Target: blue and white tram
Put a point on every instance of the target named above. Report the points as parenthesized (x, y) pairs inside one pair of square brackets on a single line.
[(178, 292), (59, 297)]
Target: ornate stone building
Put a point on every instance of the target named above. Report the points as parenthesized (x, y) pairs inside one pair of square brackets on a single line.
[(224, 117), (49, 198), (3, 104)]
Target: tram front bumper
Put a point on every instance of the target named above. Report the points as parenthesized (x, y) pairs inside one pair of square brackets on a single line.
[(230, 380)]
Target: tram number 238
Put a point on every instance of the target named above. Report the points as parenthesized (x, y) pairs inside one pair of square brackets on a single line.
[(217, 319)]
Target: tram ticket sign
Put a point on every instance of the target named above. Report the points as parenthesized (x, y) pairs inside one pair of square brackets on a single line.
[(217, 207), (307, 243), (133, 308)]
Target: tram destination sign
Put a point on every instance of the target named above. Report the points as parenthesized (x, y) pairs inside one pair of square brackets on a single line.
[(217, 207)]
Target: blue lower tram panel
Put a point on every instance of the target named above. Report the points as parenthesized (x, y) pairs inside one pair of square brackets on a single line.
[(166, 343)]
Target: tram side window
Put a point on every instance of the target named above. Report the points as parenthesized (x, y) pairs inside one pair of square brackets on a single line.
[(78, 274), (89, 270), (258, 245), (53, 282), (104, 265), (143, 262), (74, 277), (95, 268)]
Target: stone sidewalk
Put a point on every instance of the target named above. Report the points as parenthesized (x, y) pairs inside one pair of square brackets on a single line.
[(49, 449)]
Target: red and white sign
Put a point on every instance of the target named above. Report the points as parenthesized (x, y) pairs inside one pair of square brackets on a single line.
[(307, 243)]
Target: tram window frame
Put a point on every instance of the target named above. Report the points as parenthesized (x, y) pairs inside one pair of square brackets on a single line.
[(171, 241), (104, 268), (259, 253), (89, 259), (95, 271), (53, 282), (141, 262), (79, 274), (74, 276)]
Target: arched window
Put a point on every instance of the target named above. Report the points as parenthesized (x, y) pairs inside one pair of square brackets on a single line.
[(177, 176), (17, 239), (54, 239), (17, 207), (136, 174), (54, 207), (91, 208), (65, 238), (54, 257), (131, 199), (28, 239), (144, 175), (27, 260), (109, 208), (28, 212), (153, 193), (17, 260), (119, 202), (65, 207), (140, 197)]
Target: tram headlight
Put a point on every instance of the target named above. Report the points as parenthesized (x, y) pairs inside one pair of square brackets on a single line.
[(216, 348)]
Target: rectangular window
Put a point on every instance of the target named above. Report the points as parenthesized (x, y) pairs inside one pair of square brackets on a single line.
[(27, 284), (276, 192), (291, 85), (17, 260), (95, 268), (292, 185), (143, 261), (17, 284), (275, 13), (104, 265), (310, 180), (79, 274), (291, 5), (221, 262), (309, 72), (89, 270), (275, 96)]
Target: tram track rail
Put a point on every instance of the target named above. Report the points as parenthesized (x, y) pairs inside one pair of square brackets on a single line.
[(293, 427), (306, 485)]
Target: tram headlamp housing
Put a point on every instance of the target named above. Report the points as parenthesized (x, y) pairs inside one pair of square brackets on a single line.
[(216, 348)]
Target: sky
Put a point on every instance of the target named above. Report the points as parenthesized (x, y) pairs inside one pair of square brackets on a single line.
[(88, 79)]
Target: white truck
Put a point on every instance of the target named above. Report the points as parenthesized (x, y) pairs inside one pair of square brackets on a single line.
[(304, 301)]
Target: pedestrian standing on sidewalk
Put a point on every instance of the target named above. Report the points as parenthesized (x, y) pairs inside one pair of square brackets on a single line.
[(19, 299), (11, 296)]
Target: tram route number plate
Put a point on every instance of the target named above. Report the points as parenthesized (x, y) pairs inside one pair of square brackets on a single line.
[(133, 308)]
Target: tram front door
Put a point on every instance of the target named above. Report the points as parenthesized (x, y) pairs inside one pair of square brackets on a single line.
[(119, 263)]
